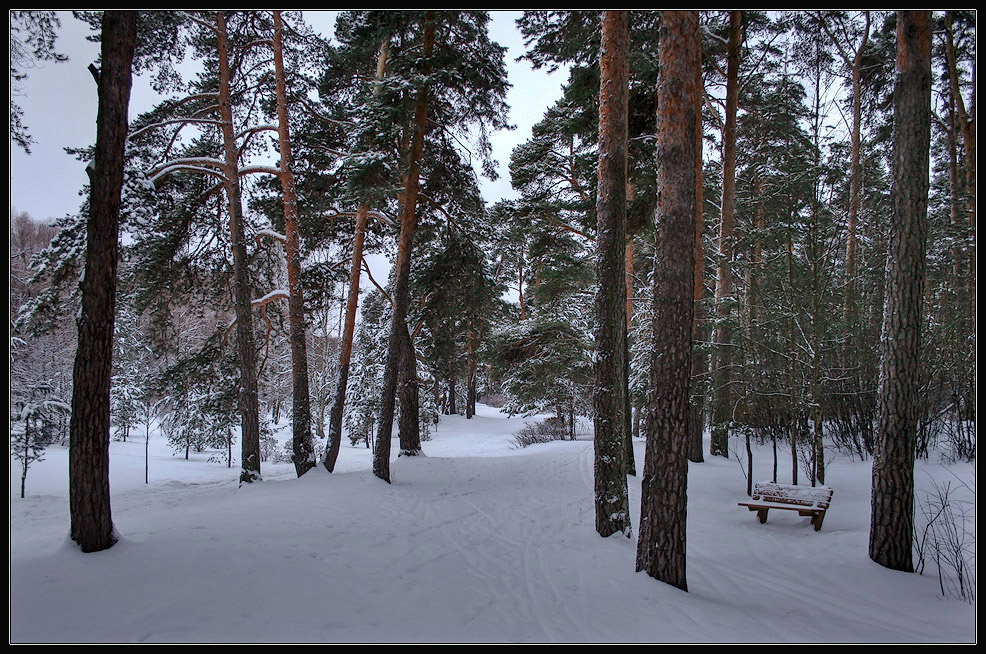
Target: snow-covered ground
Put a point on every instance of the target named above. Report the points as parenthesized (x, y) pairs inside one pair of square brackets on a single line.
[(477, 542)]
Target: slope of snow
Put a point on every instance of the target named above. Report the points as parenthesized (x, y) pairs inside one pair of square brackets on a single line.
[(476, 542)]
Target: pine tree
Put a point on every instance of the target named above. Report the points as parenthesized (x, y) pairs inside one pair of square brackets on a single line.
[(891, 524), (89, 498), (722, 401), (661, 543), (610, 387), (303, 454)]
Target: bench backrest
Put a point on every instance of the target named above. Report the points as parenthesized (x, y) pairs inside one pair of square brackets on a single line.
[(814, 496)]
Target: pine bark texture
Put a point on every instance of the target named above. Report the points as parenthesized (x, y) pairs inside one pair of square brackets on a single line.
[(408, 426), (248, 401), (610, 388), (398, 327), (661, 543), (301, 414), (722, 357), (89, 426), (892, 515)]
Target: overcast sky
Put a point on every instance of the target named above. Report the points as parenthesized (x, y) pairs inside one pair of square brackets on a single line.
[(59, 103)]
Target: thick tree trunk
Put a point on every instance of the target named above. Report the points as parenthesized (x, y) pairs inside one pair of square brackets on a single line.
[(248, 401), (89, 427), (398, 328), (301, 428), (722, 355), (661, 544), (892, 516), (609, 391), (352, 301)]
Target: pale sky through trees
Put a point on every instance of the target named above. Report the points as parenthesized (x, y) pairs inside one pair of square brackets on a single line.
[(59, 103)]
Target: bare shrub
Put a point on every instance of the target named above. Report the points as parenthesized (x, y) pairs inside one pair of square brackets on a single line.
[(948, 539), (550, 429)]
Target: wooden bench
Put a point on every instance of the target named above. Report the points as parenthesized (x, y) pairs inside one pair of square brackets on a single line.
[(806, 500)]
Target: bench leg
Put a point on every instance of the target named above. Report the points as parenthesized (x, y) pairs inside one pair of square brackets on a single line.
[(762, 514), (817, 520)]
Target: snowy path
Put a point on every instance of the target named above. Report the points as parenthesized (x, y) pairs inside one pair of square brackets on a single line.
[(476, 542)]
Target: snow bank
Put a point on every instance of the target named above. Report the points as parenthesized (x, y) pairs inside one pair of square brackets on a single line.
[(476, 542)]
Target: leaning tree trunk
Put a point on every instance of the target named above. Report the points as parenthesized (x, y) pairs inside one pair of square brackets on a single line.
[(352, 300), (301, 414), (722, 355), (89, 427), (248, 402), (661, 544), (609, 390), (892, 514), (398, 327)]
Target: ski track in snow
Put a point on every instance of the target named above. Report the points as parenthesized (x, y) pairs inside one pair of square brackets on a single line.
[(477, 542)]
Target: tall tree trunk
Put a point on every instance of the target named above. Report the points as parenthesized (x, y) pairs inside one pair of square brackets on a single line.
[(966, 119), (472, 344), (722, 355), (700, 360), (248, 401), (631, 466), (855, 177), (609, 391), (794, 404), (966, 122), (89, 427), (661, 544), (301, 418), (352, 300), (398, 328), (892, 515)]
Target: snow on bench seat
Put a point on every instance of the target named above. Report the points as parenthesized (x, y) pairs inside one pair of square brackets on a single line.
[(806, 500)]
